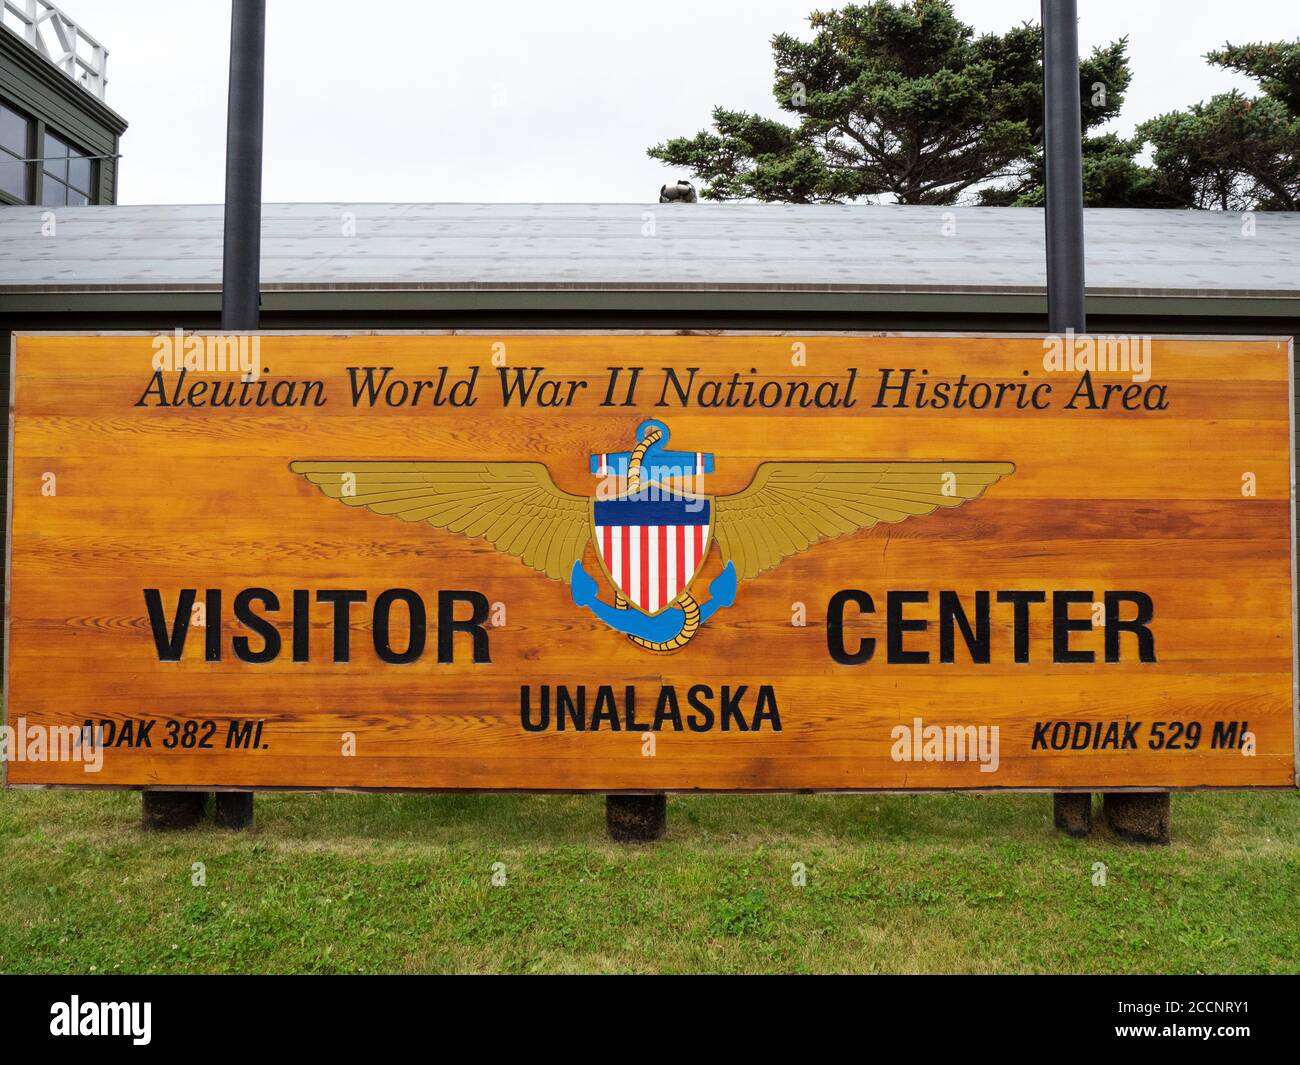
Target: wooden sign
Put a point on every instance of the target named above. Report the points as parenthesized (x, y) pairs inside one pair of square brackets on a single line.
[(650, 562)]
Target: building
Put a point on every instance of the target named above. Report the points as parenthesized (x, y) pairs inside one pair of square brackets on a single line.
[(58, 139)]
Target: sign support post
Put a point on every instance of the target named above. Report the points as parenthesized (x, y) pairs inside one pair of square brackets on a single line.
[(1063, 159), (241, 268), (636, 818), (1141, 816), (1063, 225), (240, 311)]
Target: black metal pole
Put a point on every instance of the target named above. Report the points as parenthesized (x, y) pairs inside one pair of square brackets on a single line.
[(1063, 161), (1063, 158), (1142, 816), (240, 275), (240, 310), (241, 294)]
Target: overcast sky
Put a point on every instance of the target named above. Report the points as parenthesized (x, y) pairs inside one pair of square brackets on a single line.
[(524, 101)]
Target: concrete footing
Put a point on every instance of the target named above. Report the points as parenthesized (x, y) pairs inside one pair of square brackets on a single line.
[(1138, 816), (234, 809), (1072, 812), (165, 811), (636, 818)]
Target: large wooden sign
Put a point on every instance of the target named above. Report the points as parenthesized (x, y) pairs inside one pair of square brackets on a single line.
[(644, 562)]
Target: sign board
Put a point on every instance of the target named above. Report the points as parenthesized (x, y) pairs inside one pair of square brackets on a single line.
[(626, 562)]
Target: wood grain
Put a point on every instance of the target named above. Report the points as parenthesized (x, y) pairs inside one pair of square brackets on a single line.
[(172, 498)]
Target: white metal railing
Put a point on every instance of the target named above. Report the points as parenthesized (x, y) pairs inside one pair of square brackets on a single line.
[(65, 44)]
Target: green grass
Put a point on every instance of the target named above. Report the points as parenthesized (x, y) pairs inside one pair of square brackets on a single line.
[(403, 883)]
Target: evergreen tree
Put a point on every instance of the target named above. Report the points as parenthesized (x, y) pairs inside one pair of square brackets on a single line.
[(1236, 153), (899, 101)]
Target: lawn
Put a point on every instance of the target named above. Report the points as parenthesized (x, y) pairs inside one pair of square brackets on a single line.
[(404, 883)]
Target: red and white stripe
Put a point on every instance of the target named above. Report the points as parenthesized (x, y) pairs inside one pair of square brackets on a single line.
[(652, 564)]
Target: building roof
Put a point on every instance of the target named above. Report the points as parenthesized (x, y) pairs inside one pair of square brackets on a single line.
[(650, 246)]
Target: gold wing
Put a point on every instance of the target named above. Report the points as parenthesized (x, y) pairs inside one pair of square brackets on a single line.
[(515, 506), (790, 505)]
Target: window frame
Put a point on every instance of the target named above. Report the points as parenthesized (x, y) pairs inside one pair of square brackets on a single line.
[(33, 182), (65, 183), (37, 128)]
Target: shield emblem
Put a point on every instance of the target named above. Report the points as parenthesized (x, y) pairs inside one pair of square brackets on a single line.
[(651, 545)]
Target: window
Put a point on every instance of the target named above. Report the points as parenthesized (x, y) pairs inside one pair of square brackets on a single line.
[(37, 166), (15, 143), (66, 178)]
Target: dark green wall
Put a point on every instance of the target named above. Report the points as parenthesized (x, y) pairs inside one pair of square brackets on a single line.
[(32, 84)]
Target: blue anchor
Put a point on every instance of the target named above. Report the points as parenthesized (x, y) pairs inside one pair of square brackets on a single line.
[(662, 627)]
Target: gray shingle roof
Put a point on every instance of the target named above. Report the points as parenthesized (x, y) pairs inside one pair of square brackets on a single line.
[(610, 246)]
